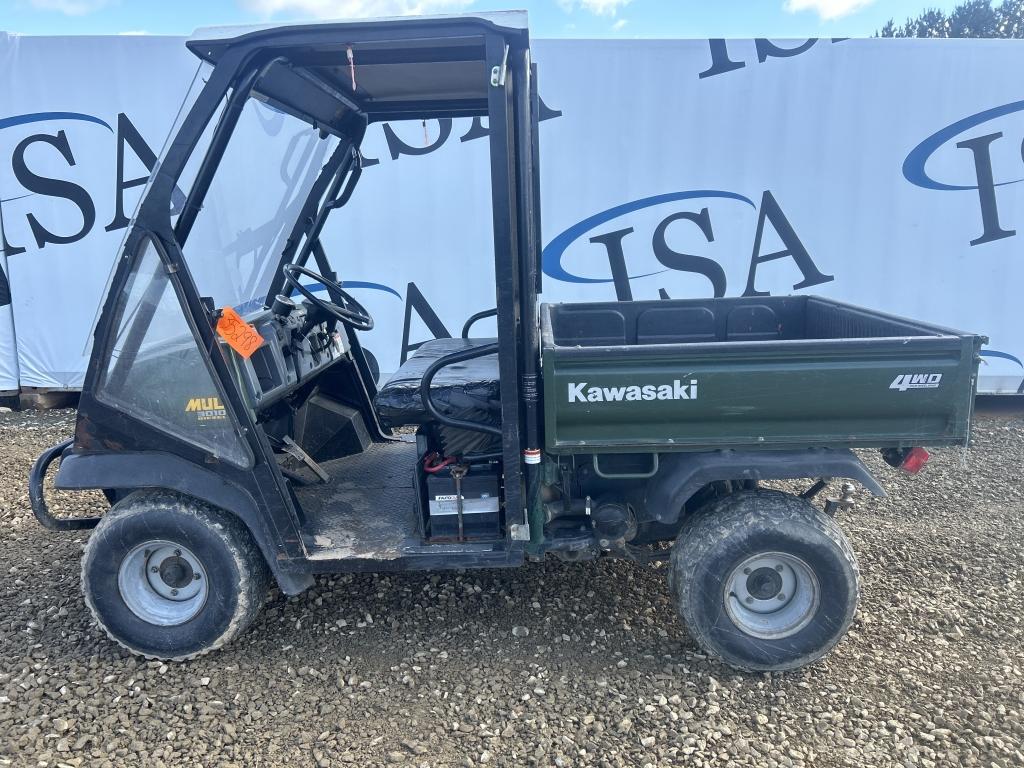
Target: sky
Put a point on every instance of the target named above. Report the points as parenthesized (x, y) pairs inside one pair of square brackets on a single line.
[(548, 18)]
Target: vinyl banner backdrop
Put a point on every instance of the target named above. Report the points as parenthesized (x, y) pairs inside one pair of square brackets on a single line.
[(8, 352), (881, 172), (81, 119)]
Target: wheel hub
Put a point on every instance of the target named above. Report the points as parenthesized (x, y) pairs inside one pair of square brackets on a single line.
[(163, 583), (771, 595), (764, 583), (176, 572)]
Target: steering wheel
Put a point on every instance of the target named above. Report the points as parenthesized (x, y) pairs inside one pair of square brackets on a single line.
[(348, 311)]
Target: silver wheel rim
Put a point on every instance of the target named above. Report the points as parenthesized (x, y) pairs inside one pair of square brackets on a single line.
[(162, 583), (771, 595)]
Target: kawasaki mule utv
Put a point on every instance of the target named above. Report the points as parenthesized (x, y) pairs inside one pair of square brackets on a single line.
[(230, 416)]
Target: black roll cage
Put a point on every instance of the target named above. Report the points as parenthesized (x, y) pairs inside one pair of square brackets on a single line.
[(274, 57)]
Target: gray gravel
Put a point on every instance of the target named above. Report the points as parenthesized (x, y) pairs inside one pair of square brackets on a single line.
[(551, 664)]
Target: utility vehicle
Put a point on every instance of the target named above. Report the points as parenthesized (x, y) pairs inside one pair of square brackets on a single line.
[(233, 422)]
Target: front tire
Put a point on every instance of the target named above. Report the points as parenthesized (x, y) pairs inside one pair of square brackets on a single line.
[(168, 577), (764, 580)]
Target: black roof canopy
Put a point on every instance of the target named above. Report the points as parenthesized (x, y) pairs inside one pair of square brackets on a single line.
[(415, 67)]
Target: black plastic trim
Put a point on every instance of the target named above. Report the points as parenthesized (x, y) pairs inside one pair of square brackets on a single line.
[(681, 475)]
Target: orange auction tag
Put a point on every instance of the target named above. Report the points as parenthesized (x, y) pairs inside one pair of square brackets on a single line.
[(240, 336)]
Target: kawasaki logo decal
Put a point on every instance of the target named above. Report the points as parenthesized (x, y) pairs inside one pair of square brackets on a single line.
[(906, 381), (677, 390)]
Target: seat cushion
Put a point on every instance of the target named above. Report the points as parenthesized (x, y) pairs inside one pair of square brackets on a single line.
[(467, 390)]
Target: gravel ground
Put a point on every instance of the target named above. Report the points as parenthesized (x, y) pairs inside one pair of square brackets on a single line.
[(425, 669)]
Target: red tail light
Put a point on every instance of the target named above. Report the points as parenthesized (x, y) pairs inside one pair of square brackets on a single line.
[(915, 460)]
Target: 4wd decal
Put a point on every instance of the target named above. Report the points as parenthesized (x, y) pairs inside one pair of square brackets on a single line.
[(583, 393), (906, 381)]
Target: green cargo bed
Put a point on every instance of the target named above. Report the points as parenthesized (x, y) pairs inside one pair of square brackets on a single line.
[(767, 372)]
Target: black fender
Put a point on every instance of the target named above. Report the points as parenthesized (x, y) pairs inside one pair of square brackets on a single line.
[(681, 475), (131, 470)]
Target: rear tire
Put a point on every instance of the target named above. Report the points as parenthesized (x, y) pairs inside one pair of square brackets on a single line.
[(168, 577), (764, 580)]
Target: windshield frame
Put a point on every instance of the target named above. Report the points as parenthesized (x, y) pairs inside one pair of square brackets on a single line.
[(344, 162)]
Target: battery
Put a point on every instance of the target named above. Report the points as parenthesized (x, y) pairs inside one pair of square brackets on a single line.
[(481, 506)]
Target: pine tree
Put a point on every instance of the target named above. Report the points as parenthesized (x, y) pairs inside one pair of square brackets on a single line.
[(973, 18)]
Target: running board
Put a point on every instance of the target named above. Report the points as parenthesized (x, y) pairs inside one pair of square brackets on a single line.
[(428, 557)]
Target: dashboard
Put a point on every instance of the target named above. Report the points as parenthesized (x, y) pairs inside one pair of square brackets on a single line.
[(295, 349)]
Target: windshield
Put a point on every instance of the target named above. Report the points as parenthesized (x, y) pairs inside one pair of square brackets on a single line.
[(264, 177)]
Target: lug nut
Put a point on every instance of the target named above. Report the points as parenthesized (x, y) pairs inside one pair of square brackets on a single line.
[(196, 577), (779, 568), (177, 553), (750, 599), (746, 571), (781, 596), (154, 569), (174, 592)]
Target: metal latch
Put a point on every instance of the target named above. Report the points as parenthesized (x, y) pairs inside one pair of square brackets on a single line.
[(519, 532), (498, 72)]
